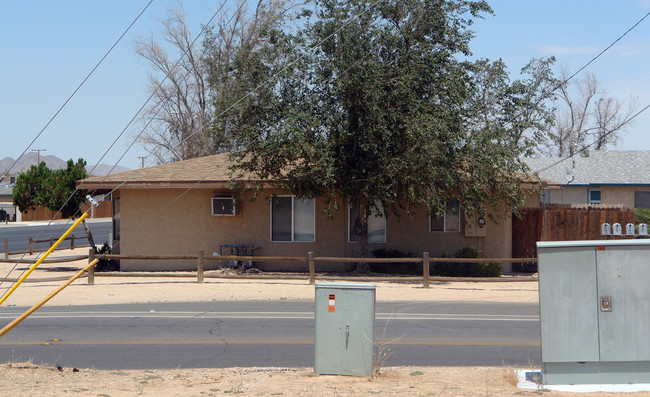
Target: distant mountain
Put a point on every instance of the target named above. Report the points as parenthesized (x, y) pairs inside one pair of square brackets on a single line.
[(27, 161), (105, 169), (52, 162)]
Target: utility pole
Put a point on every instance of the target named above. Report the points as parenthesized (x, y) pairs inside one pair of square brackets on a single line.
[(142, 159), (38, 155)]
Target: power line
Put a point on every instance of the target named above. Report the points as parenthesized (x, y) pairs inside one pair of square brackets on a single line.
[(584, 148), (350, 20), (57, 113), (572, 76), (557, 86), (185, 51), (78, 87), (271, 78)]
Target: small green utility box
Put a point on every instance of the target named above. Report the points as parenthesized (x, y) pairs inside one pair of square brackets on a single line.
[(345, 329)]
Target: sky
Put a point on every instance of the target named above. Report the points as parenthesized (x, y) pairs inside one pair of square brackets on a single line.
[(48, 48)]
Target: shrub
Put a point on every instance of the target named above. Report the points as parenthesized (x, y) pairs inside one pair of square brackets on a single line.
[(642, 215), (106, 265), (466, 269), (393, 267)]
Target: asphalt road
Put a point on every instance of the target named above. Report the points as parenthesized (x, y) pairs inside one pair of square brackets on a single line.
[(18, 234), (279, 333)]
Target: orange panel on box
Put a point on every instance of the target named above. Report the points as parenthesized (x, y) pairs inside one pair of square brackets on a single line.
[(331, 303)]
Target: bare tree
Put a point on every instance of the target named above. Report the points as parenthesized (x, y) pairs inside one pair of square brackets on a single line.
[(611, 117), (193, 84), (242, 52), (587, 116), (179, 112)]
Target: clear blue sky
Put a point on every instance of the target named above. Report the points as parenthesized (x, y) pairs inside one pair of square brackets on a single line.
[(48, 47)]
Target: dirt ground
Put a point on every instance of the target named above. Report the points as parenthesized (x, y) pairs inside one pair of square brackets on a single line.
[(28, 379)]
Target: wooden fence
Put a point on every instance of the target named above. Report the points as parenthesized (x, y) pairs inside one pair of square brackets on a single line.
[(562, 223), (104, 210), (51, 241), (311, 260)]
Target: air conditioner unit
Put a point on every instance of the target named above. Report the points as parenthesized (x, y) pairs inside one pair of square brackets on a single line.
[(224, 206)]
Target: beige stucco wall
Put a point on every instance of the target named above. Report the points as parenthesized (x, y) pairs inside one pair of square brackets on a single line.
[(614, 195), (187, 226)]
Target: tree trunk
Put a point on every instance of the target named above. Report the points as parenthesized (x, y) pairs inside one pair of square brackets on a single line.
[(361, 232), (90, 236)]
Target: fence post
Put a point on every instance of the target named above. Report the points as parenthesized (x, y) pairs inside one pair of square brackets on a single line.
[(31, 246), (199, 270), (425, 268), (312, 268), (91, 271), (72, 241), (6, 249)]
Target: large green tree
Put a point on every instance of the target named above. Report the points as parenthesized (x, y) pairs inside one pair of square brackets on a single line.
[(52, 189), (382, 112), (30, 189)]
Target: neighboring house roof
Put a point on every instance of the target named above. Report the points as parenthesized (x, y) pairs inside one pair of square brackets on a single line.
[(7, 190), (601, 168), (205, 172)]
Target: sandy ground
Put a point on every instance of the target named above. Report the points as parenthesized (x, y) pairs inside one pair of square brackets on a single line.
[(27, 379), (110, 289)]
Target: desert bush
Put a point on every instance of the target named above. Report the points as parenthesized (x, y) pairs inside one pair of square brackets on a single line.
[(465, 269), (394, 267)]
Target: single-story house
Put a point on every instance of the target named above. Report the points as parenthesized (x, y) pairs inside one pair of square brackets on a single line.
[(615, 177), (183, 207)]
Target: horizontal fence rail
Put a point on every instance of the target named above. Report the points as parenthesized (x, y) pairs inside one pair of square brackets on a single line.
[(310, 259), (51, 241)]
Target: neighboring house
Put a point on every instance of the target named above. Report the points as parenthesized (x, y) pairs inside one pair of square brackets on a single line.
[(183, 207), (611, 178), (7, 208)]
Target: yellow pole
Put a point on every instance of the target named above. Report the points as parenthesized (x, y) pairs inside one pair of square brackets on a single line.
[(31, 310), (31, 269)]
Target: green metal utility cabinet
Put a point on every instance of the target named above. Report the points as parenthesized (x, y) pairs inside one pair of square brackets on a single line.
[(594, 300), (345, 328)]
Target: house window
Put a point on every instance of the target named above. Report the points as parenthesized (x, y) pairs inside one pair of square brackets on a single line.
[(376, 225), (450, 222), (593, 196), (642, 199), (292, 219)]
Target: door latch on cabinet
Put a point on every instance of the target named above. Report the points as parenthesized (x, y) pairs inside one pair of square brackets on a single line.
[(605, 303)]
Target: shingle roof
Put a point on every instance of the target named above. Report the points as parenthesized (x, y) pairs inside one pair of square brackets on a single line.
[(614, 167), (209, 171), (205, 172), (7, 190)]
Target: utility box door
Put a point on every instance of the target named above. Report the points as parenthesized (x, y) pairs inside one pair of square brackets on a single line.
[(344, 328), (624, 280), (568, 304)]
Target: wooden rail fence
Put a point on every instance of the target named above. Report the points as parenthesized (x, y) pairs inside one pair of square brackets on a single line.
[(310, 259), (52, 240), (104, 210)]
